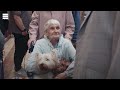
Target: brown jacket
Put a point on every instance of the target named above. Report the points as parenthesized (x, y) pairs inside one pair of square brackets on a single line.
[(39, 18)]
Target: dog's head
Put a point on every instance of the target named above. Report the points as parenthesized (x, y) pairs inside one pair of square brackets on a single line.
[(47, 61)]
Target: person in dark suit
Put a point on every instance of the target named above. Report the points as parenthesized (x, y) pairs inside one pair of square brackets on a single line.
[(76, 16)]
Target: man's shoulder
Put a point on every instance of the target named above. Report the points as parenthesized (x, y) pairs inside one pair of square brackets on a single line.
[(42, 41), (63, 39), (65, 42)]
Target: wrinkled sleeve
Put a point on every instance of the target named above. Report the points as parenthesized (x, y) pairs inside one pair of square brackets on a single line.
[(70, 51), (70, 25), (33, 27), (72, 55), (69, 70), (31, 63)]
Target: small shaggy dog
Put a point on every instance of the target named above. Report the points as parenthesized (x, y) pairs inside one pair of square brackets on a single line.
[(49, 65), (45, 64)]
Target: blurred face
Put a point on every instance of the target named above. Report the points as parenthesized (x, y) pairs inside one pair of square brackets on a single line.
[(53, 32)]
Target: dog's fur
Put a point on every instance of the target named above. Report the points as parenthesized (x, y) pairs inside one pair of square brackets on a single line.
[(45, 63), (47, 60)]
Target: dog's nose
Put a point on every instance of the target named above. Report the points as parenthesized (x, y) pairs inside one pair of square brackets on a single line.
[(43, 66)]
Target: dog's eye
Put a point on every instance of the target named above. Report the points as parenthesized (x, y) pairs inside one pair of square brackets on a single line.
[(47, 59)]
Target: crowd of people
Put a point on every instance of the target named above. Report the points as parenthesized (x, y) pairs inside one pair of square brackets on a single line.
[(48, 30), (70, 44)]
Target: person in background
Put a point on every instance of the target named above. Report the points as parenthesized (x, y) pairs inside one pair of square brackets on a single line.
[(1, 55), (2, 42), (19, 24), (53, 39), (76, 16), (39, 18)]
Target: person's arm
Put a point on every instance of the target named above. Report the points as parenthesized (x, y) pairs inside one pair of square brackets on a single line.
[(33, 27), (70, 54), (31, 63), (18, 20), (70, 26), (76, 16), (69, 71)]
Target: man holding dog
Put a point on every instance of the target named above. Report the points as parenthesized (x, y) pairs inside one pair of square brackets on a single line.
[(53, 39)]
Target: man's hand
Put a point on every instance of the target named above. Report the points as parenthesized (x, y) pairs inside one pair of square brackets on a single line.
[(65, 62), (67, 36), (62, 67), (30, 41), (24, 33), (61, 76)]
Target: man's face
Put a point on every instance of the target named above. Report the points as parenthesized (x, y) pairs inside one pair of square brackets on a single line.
[(54, 31)]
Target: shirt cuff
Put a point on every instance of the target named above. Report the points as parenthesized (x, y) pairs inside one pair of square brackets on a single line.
[(68, 74)]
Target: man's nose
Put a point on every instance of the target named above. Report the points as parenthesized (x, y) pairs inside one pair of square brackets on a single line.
[(56, 30)]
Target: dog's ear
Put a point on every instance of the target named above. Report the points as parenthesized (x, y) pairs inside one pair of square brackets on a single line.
[(38, 56)]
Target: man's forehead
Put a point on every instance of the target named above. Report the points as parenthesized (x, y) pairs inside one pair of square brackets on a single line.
[(54, 25)]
